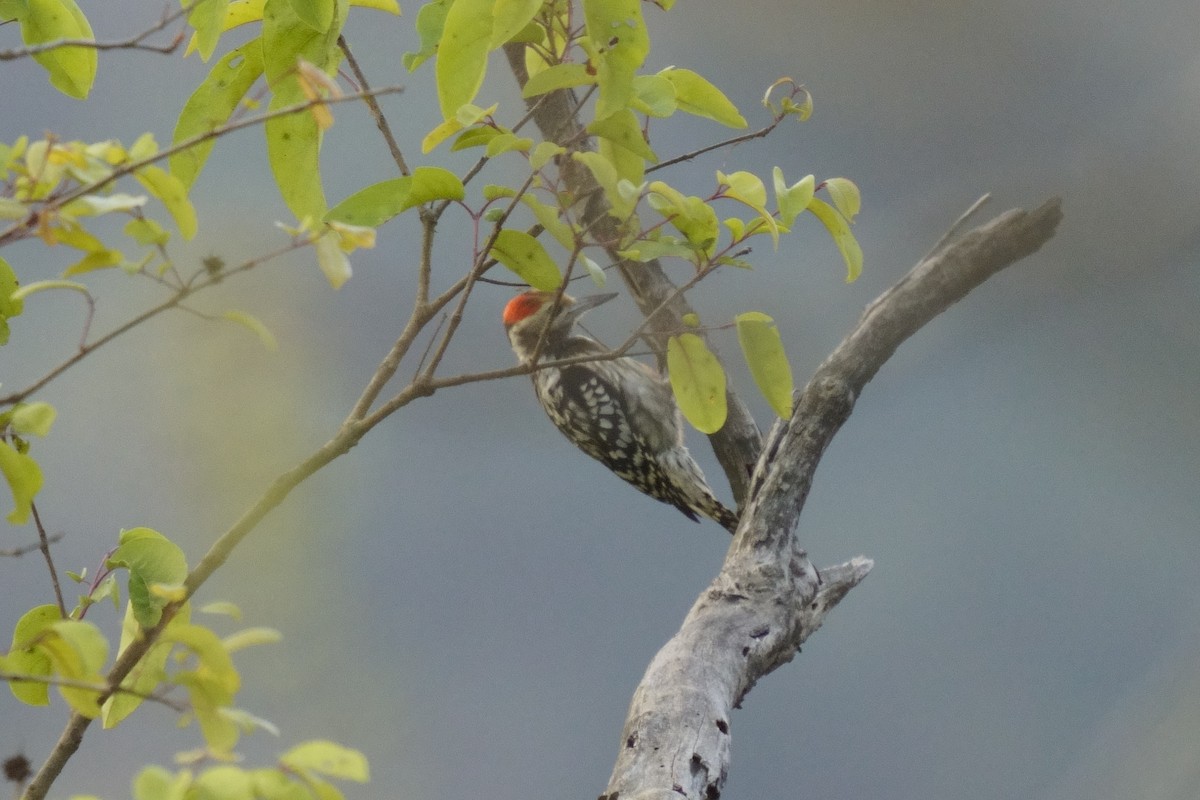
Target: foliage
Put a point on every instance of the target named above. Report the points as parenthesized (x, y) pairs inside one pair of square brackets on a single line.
[(55, 192)]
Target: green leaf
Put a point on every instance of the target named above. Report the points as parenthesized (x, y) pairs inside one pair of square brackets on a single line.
[(654, 96), (695, 95), (208, 19), (375, 204), (210, 106), (525, 256), (748, 188), (606, 175), (156, 783), (689, 215), (462, 53), (839, 229), (763, 349), (72, 69), (25, 659), (622, 129), (224, 607), (316, 14), (250, 637), (845, 196), (548, 217), (151, 559), (293, 150), (24, 479), (698, 382), (173, 194), (431, 20), (618, 35), (77, 650), (146, 232), (510, 18), (474, 137), (328, 758), (507, 142), (559, 76), (224, 782), (146, 676), (33, 418), (542, 154), (9, 306), (792, 199), (255, 326)]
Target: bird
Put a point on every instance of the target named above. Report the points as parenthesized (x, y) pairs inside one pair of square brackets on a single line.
[(618, 410)]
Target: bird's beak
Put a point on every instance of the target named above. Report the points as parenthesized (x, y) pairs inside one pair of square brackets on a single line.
[(583, 304)]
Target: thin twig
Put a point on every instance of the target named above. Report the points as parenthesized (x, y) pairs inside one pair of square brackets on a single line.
[(25, 549), (44, 546), (181, 294), (132, 43), (98, 688), (953, 230), (746, 137), (376, 112)]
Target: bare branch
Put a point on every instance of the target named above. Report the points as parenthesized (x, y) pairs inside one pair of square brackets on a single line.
[(768, 598), (25, 549), (132, 43), (44, 546), (74, 683)]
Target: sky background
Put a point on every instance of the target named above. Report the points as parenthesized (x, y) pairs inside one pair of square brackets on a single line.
[(470, 601)]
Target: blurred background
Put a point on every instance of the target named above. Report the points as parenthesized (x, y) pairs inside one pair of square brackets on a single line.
[(470, 601)]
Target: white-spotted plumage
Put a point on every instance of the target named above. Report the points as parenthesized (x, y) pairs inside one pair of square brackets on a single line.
[(619, 411)]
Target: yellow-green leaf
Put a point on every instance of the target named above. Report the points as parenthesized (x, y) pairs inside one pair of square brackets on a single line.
[(510, 17), (507, 142), (606, 175), (462, 53), (619, 37), (373, 205), (525, 256), (559, 76), (839, 229), (255, 326), (24, 479), (695, 95), (72, 69), (792, 199), (33, 418), (250, 637), (208, 19), (211, 105), (316, 14), (151, 558), (328, 758), (9, 306), (173, 194), (698, 382), (763, 349), (225, 782), (25, 659), (293, 150), (845, 196), (77, 650), (431, 20), (622, 129)]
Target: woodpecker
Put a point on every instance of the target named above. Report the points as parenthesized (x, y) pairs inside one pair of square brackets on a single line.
[(619, 411)]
